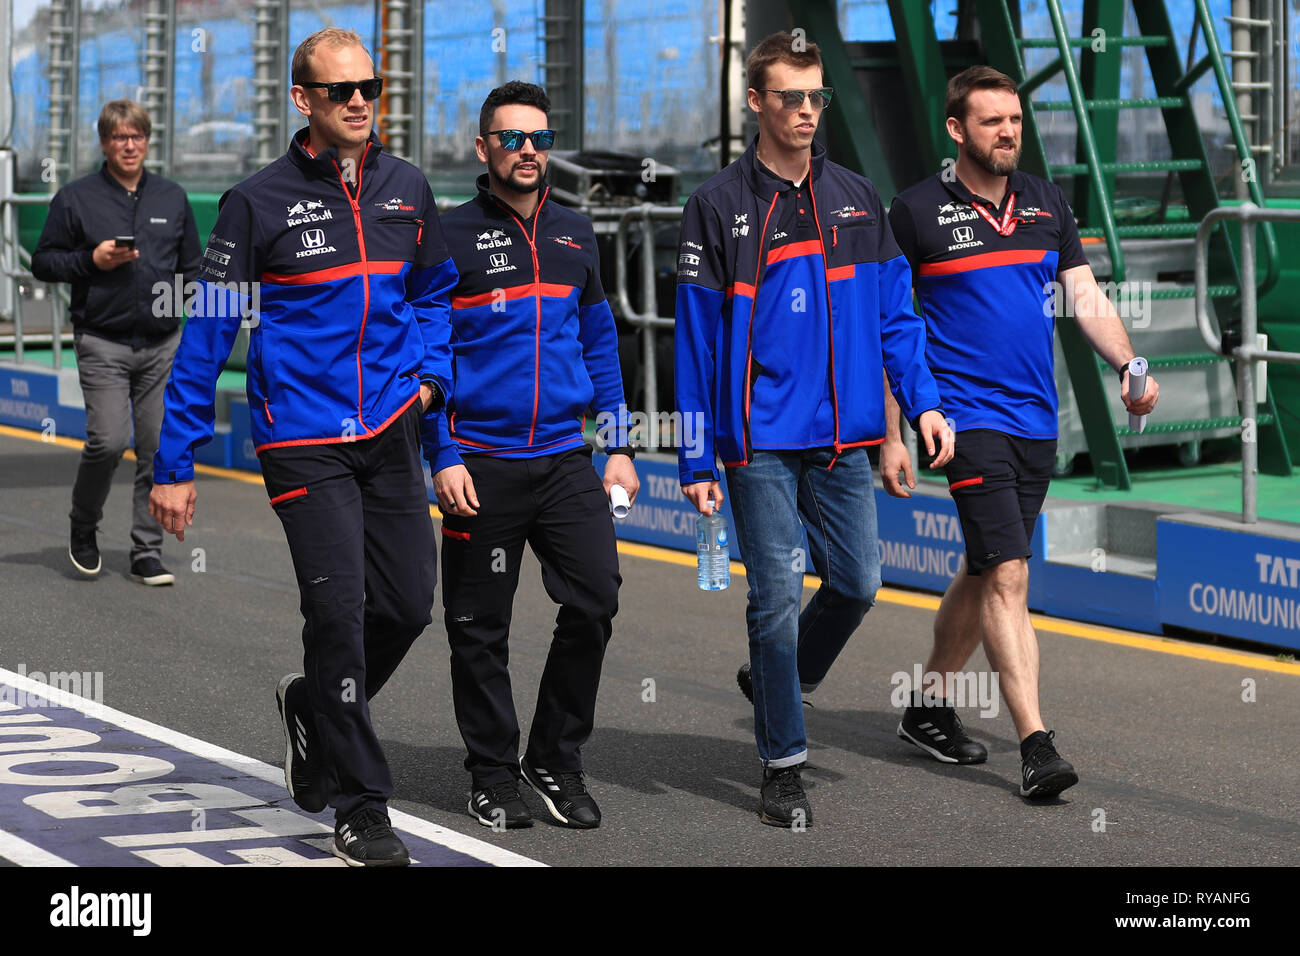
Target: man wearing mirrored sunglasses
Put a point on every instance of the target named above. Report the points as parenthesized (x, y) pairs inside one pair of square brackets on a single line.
[(791, 296), (333, 256), (535, 349)]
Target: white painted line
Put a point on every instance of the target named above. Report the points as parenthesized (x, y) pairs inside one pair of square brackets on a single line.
[(18, 851), (453, 840)]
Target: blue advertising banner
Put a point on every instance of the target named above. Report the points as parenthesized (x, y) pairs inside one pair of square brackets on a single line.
[(920, 540), (1229, 582)]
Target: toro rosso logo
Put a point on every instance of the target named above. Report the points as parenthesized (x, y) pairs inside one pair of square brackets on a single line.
[(849, 212), (396, 204)]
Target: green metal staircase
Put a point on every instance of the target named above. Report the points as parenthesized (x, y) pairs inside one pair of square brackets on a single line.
[(1094, 87)]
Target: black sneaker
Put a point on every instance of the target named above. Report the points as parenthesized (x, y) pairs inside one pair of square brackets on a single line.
[(565, 795), (499, 806), (939, 732), (745, 681), (367, 839), (302, 771), (84, 551), (782, 802), (1044, 773), (149, 571)]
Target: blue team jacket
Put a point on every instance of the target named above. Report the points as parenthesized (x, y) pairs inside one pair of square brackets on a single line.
[(533, 339), (347, 300), (788, 299)]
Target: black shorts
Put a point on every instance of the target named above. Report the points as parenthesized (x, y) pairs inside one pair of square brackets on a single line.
[(998, 482)]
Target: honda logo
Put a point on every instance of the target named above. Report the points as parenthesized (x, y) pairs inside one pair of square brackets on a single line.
[(963, 234), (499, 259), (313, 238)]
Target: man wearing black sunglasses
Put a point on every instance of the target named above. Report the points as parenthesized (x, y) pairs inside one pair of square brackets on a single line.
[(791, 296), (535, 348), (334, 257)]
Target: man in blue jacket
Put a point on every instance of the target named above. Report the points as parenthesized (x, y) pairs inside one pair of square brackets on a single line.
[(334, 256), (791, 293), (535, 347), (115, 235)]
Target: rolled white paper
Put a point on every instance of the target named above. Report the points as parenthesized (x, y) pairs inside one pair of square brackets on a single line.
[(619, 504), (1137, 386)]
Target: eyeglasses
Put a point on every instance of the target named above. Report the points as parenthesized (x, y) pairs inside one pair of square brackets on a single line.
[(513, 139), (793, 99), (342, 92), (121, 139)]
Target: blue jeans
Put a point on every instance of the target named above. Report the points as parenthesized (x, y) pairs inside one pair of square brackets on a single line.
[(774, 499)]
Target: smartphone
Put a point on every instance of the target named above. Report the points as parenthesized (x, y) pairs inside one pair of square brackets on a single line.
[(124, 242)]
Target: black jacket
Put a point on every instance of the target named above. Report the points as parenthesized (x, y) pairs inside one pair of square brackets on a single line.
[(121, 304)]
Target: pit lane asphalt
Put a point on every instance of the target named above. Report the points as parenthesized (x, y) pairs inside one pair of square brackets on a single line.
[(1183, 769)]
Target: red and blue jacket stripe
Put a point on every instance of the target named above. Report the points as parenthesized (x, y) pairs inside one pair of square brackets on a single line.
[(346, 297), (790, 301)]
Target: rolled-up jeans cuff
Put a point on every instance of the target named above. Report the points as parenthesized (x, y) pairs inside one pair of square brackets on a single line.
[(779, 762)]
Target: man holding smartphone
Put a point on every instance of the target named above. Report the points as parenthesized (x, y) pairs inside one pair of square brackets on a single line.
[(113, 235)]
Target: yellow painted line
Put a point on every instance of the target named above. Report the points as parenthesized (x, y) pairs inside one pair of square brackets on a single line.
[(1042, 622), (235, 474), (41, 437)]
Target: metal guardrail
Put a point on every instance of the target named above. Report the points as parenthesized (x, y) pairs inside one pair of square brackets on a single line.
[(1246, 352), (15, 266)]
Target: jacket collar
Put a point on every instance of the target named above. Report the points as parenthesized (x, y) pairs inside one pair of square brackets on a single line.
[(325, 162), (488, 200), (766, 183), (1016, 183), (108, 178)]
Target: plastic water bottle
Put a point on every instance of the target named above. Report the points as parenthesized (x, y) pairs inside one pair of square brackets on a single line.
[(712, 550)]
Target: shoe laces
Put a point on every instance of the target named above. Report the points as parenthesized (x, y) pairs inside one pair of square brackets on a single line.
[(571, 783), (1044, 752), (370, 823), (502, 792), (788, 784)]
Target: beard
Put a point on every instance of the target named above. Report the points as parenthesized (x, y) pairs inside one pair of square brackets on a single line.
[(519, 185), (991, 162)]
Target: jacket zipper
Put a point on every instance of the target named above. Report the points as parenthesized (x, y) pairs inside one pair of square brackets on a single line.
[(830, 320), (365, 273), (537, 297), (749, 341)]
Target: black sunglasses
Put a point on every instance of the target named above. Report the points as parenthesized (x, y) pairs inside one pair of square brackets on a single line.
[(512, 139), (793, 99), (342, 92)]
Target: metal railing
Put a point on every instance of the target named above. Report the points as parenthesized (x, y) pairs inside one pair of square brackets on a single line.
[(1246, 353), (648, 318), (15, 267)]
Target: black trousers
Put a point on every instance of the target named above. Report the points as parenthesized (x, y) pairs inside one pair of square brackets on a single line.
[(357, 518), (557, 505)]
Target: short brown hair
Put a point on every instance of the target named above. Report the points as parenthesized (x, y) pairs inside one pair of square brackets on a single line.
[(301, 71), (784, 48), (123, 113), (971, 79)]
